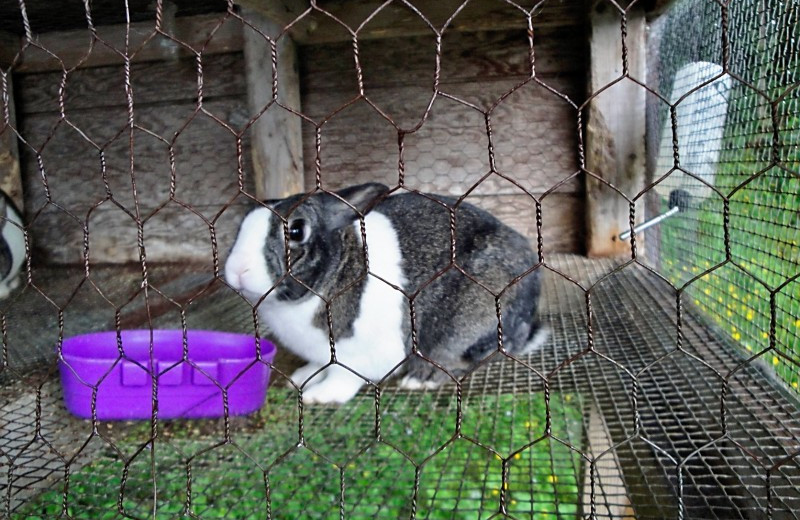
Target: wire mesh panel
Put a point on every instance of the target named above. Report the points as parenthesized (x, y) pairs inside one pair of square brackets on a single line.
[(732, 249), (741, 173), (656, 395)]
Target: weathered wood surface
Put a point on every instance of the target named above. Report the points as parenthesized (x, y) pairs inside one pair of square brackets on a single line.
[(204, 152), (173, 234), (10, 173), (562, 218), (151, 82), (277, 140), (465, 57), (533, 131), (533, 137), (397, 20), (615, 128), (209, 34)]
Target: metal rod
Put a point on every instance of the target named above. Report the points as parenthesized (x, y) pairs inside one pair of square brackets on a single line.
[(652, 222)]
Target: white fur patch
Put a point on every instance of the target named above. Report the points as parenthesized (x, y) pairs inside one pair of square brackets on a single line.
[(15, 239), (301, 375), (293, 326), (376, 345), (335, 384), (246, 268), (412, 383), (536, 341)]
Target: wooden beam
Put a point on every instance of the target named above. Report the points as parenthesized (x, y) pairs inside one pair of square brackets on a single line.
[(10, 176), (152, 82), (615, 131), (277, 143), (280, 12), (468, 58), (203, 152), (72, 47), (395, 20)]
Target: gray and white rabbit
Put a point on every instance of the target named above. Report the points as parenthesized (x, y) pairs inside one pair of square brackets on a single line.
[(408, 246), (12, 246)]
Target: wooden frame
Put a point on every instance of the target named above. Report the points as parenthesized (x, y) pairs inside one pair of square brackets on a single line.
[(395, 20), (615, 132), (277, 139)]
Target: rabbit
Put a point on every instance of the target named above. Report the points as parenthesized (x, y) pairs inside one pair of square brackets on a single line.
[(12, 246), (369, 320)]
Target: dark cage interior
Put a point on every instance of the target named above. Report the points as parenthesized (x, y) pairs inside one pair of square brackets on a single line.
[(135, 136)]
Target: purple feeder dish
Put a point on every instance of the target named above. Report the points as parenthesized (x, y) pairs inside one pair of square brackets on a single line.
[(186, 389)]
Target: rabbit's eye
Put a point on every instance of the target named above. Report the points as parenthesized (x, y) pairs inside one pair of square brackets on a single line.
[(297, 231)]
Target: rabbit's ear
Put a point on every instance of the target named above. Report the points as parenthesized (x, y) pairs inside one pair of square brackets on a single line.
[(363, 197)]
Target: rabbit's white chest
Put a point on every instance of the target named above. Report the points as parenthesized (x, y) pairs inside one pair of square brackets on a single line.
[(377, 344)]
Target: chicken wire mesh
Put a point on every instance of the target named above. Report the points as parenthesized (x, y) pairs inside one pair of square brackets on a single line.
[(640, 406)]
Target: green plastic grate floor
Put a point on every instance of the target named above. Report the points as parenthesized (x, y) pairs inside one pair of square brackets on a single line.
[(633, 428)]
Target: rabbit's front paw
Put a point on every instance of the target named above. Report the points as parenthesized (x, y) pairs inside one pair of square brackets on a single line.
[(412, 383), (301, 375), (338, 386)]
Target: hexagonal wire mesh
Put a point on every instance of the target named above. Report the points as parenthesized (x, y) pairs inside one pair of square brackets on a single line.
[(650, 400)]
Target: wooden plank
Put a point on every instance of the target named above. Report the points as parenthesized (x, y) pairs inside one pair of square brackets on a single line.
[(466, 57), (173, 235), (397, 20), (152, 82), (211, 33), (281, 12), (277, 149), (611, 500), (205, 156), (10, 173), (533, 131), (615, 129), (562, 218)]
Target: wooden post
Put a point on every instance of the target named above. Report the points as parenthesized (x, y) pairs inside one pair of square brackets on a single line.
[(10, 173), (615, 130), (277, 144)]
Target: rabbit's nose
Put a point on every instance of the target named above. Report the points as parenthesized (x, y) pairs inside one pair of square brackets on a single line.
[(234, 272), (238, 278)]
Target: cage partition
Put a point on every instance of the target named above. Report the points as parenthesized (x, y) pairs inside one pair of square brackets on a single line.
[(135, 136)]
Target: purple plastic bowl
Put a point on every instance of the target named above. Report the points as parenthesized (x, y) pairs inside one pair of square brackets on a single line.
[(185, 389)]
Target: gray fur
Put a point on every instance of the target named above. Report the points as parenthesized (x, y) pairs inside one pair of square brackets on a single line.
[(6, 260), (456, 319)]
